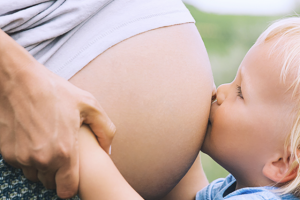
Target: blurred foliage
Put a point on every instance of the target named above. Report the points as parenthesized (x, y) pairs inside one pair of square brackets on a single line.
[(212, 169), (227, 39)]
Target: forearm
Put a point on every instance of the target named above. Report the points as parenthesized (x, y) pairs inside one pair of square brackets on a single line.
[(13, 60), (99, 178), (40, 116)]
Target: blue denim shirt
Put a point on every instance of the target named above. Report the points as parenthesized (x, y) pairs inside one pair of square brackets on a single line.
[(225, 189)]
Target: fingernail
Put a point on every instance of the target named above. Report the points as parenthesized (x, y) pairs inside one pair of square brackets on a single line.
[(109, 152)]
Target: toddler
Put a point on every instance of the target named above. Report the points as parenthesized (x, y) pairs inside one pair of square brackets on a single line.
[(254, 129)]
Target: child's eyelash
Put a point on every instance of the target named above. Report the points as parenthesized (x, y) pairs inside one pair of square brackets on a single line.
[(239, 91)]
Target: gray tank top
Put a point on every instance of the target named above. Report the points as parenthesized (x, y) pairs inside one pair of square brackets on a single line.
[(65, 35)]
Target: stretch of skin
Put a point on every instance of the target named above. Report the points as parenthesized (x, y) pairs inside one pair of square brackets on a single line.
[(156, 88), (41, 114), (245, 115), (159, 102)]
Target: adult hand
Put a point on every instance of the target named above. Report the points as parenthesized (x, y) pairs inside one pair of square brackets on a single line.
[(40, 116)]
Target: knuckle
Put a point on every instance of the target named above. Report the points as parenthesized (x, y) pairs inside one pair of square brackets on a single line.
[(41, 161), (63, 151), (90, 99)]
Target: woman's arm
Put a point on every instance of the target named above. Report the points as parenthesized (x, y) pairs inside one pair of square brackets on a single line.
[(40, 116), (99, 177)]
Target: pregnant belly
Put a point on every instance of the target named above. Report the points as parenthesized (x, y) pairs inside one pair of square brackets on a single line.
[(156, 87)]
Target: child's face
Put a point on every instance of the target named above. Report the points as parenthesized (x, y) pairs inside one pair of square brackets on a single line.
[(251, 117)]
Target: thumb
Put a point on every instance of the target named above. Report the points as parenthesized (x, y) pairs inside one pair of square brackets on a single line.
[(102, 126)]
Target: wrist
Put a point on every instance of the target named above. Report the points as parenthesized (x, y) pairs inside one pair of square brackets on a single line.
[(15, 64), (17, 79)]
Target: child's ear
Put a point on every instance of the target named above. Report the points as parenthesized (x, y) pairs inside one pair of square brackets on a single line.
[(281, 168)]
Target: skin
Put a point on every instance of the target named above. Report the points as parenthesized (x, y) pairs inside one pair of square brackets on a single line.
[(249, 125), (156, 87), (189, 185), (40, 117), (99, 177), (241, 118)]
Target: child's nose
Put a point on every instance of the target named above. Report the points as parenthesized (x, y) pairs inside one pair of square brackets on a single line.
[(222, 93)]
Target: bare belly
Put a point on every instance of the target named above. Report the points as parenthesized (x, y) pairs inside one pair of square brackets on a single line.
[(156, 87)]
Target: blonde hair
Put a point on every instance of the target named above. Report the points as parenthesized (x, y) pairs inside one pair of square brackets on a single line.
[(286, 32)]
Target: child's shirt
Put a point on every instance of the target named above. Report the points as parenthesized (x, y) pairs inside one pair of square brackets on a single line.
[(224, 188)]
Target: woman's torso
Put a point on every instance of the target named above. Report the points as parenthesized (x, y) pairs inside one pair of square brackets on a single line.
[(155, 86)]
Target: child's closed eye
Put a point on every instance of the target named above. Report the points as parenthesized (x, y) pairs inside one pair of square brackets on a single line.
[(239, 91)]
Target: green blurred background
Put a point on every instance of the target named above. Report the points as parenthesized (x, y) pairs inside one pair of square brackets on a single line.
[(227, 39)]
